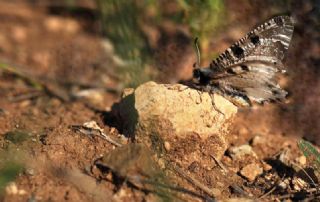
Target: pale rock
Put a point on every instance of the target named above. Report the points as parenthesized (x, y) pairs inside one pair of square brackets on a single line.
[(284, 184), (240, 151), (167, 146), (258, 140), (251, 171), (162, 112), (266, 166), (243, 131), (11, 188), (301, 160), (58, 25)]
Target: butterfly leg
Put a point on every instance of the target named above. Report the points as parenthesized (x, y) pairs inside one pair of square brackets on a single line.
[(177, 88), (200, 95), (214, 104), (183, 89)]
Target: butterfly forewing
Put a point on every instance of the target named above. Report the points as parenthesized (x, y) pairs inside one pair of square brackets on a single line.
[(261, 41), (249, 67)]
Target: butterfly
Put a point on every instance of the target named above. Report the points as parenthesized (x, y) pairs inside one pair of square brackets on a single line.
[(248, 71)]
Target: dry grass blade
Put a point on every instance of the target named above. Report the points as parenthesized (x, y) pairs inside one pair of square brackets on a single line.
[(94, 132), (33, 82), (192, 180)]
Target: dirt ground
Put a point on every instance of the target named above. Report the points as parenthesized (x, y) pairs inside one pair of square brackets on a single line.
[(64, 52)]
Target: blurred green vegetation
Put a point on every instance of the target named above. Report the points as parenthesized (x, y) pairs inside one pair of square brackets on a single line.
[(120, 20), (203, 18), (14, 153), (10, 167), (311, 153), (123, 21), (8, 173)]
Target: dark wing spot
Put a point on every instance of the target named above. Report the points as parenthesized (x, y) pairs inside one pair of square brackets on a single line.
[(230, 71), (278, 21), (244, 68), (270, 85), (275, 92), (237, 51), (254, 39)]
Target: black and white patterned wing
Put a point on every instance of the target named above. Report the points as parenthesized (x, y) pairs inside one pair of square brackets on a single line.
[(267, 43), (249, 67)]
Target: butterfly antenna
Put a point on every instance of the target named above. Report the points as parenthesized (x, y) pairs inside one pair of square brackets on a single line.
[(197, 64)]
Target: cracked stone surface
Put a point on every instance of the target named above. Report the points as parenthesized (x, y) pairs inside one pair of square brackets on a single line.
[(172, 112)]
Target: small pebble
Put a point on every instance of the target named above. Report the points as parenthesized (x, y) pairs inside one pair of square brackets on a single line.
[(251, 171), (302, 160), (167, 146), (243, 131), (240, 151), (258, 140), (266, 166), (11, 188), (162, 163), (284, 184)]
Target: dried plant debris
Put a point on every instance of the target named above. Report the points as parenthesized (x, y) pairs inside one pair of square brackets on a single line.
[(289, 180), (91, 129), (134, 164)]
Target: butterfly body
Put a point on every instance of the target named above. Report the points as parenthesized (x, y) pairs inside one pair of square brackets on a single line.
[(248, 70)]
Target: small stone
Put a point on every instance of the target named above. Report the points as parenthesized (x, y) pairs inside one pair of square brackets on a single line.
[(19, 34), (162, 112), (251, 171), (127, 91), (268, 177), (167, 146), (243, 131), (216, 192), (22, 192), (161, 163), (112, 130), (240, 151), (258, 140), (266, 166), (30, 171), (284, 184), (59, 24), (11, 188), (302, 160), (109, 176), (121, 194)]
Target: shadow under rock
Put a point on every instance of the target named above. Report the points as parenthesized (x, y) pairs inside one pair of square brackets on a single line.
[(123, 116)]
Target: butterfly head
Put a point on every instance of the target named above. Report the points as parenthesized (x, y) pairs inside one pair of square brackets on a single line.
[(196, 74), (201, 76)]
